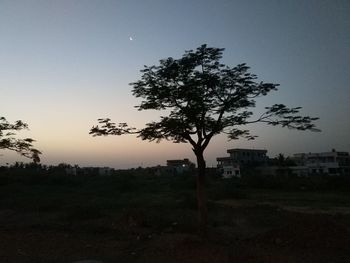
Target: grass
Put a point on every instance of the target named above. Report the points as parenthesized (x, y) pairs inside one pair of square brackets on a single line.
[(63, 200), (131, 217), (314, 199), (157, 202)]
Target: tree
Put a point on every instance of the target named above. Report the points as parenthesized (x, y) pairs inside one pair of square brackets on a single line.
[(202, 98), (21, 146), (281, 159)]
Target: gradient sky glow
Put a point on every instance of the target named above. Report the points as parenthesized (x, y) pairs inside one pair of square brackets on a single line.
[(65, 63)]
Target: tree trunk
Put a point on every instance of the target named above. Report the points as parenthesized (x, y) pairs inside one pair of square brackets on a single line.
[(201, 195)]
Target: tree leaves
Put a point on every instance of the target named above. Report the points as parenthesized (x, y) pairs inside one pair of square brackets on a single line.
[(279, 114), (202, 97), (9, 142), (110, 128)]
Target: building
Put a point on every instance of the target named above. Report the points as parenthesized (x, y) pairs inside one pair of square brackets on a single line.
[(332, 163), (179, 166), (228, 167), (230, 170), (239, 158), (244, 157), (248, 157)]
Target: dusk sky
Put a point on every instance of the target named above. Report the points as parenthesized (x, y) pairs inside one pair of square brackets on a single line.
[(65, 63)]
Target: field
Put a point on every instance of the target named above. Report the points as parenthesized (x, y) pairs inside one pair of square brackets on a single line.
[(137, 217)]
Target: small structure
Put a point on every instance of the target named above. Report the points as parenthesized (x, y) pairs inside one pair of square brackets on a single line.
[(229, 171), (228, 167), (179, 166), (332, 163)]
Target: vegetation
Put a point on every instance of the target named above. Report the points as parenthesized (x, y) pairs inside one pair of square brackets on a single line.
[(162, 200), (52, 217), (202, 98), (8, 141)]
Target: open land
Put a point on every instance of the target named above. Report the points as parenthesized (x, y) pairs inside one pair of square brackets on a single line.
[(138, 217)]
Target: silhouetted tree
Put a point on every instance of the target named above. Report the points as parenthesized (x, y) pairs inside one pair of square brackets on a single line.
[(8, 140), (281, 160), (202, 98)]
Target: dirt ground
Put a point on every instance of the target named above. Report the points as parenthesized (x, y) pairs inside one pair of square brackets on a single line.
[(298, 237)]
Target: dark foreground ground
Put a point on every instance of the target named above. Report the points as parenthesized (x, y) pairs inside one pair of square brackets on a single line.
[(130, 218)]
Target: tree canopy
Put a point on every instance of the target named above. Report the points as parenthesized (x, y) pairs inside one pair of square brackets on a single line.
[(200, 98), (203, 98), (8, 140)]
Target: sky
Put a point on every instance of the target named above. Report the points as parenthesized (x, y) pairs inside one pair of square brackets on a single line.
[(65, 63)]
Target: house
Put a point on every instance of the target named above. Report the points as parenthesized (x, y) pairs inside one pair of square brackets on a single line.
[(230, 166), (229, 170), (179, 166), (248, 157), (332, 163), (239, 158)]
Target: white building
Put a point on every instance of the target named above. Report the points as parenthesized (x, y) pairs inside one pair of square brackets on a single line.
[(245, 157), (229, 171), (230, 166), (332, 163)]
